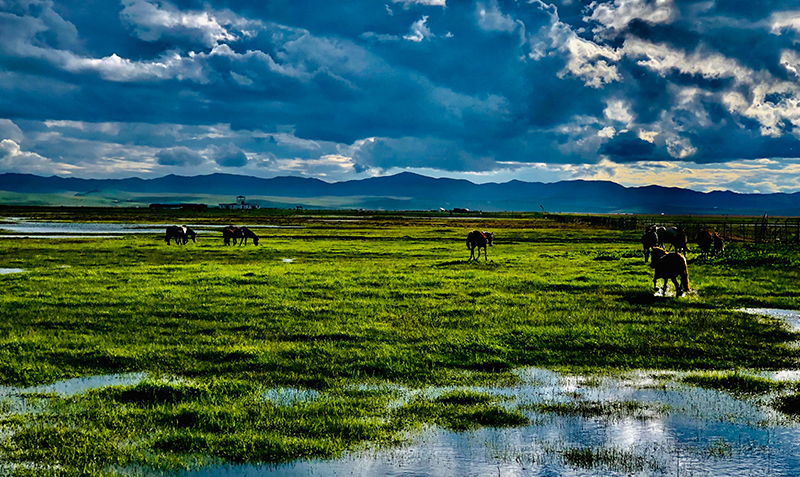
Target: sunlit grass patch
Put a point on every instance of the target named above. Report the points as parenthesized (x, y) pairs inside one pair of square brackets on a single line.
[(459, 411), (603, 409), (734, 382), (609, 458)]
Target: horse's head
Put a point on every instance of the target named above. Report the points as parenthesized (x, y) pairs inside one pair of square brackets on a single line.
[(255, 240), (489, 238), (655, 254)]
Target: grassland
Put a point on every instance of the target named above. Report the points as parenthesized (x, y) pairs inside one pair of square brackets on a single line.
[(340, 303)]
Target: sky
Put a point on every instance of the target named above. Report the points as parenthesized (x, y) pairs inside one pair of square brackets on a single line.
[(697, 94)]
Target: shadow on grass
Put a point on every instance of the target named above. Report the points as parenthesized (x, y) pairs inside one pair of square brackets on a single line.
[(490, 263)]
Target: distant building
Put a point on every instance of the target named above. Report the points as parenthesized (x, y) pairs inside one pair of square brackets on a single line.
[(240, 204)]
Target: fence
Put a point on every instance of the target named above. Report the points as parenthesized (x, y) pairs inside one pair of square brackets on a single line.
[(778, 230)]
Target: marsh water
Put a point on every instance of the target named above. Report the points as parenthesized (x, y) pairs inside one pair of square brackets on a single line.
[(649, 423), (17, 227), (652, 425)]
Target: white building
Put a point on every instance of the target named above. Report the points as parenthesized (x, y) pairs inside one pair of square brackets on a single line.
[(240, 204)]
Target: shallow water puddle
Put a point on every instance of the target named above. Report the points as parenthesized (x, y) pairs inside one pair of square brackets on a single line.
[(290, 396), (287, 260), (16, 397), (790, 317), (652, 425), (71, 387), (6, 271)]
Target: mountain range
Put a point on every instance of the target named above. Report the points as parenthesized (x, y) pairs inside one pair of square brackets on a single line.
[(404, 191)]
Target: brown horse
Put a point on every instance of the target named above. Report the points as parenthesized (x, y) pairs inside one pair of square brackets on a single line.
[(231, 232), (181, 234), (238, 233), (478, 239), (247, 233), (670, 266)]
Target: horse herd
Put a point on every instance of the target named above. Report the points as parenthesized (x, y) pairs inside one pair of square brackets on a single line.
[(230, 234), (656, 239), (670, 266)]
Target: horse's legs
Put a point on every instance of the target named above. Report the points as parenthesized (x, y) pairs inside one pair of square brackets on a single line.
[(485, 254), (678, 289)]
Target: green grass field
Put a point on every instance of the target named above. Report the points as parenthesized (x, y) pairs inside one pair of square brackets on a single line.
[(343, 303)]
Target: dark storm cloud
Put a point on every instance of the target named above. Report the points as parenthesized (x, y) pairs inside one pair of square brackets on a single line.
[(179, 156), (627, 147), (319, 87), (230, 156)]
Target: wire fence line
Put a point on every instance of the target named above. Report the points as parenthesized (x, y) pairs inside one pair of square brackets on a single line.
[(773, 230)]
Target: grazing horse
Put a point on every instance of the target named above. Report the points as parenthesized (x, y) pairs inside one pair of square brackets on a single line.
[(670, 266), (705, 240), (479, 239), (649, 240), (238, 233), (247, 233), (231, 232), (181, 234)]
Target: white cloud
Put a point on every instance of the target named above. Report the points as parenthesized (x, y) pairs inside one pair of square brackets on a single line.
[(680, 148), (591, 62), (152, 21), (14, 159), (618, 110), (114, 68), (664, 59), (788, 20), (492, 19), (615, 16), (419, 30), (428, 3), (9, 130)]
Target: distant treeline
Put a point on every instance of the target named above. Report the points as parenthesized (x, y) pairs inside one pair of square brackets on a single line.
[(179, 206)]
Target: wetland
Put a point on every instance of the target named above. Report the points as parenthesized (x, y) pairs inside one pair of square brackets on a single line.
[(379, 349)]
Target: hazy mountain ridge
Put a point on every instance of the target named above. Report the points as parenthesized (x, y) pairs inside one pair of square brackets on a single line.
[(413, 191)]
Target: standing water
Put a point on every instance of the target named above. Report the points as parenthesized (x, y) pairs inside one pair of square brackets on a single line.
[(641, 423)]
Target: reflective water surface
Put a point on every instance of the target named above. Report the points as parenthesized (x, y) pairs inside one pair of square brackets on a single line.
[(638, 423), (790, 317), (15, 226)]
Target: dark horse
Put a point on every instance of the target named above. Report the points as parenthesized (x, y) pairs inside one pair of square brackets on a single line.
[(649, 240), (478, 239), (238, 233), (181, 234), (670, 266)]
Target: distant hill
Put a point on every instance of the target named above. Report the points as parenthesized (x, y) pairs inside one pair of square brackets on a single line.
[(408, 191)]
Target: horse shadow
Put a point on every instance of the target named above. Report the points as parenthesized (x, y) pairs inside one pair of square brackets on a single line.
[(465, 262)]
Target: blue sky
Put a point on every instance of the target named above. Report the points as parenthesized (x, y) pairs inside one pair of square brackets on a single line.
[(696, 94)]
